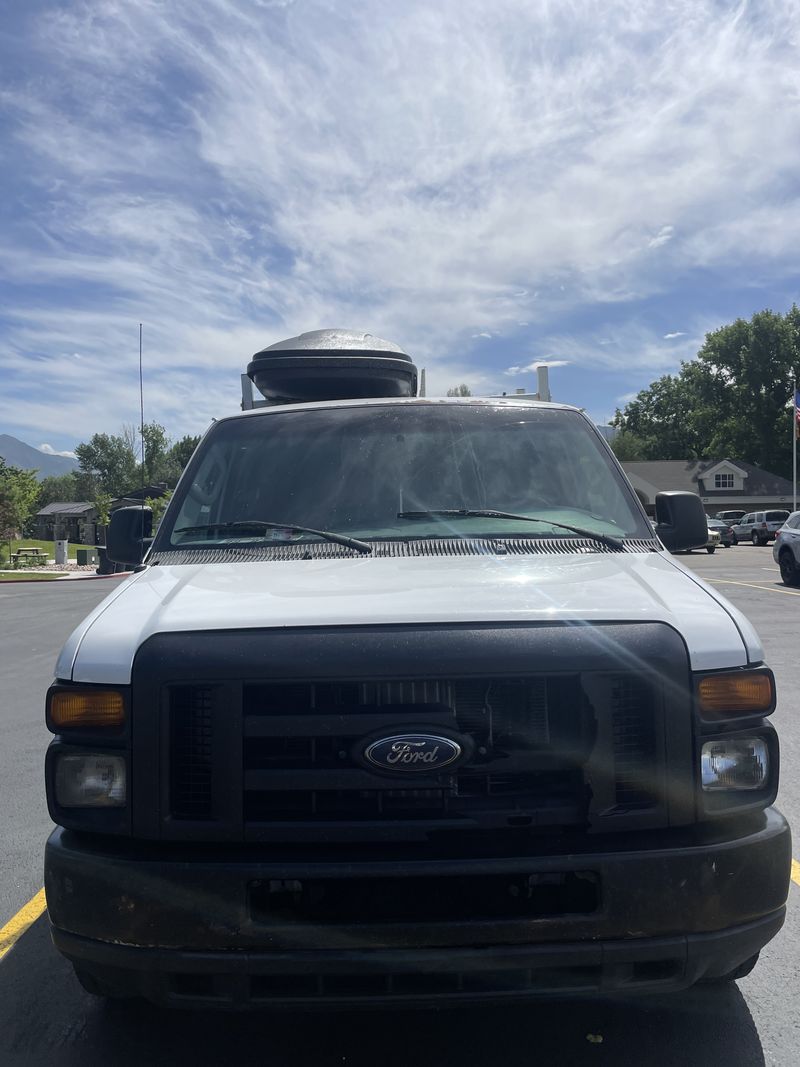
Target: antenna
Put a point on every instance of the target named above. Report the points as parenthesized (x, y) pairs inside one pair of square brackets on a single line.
[(141, 423)]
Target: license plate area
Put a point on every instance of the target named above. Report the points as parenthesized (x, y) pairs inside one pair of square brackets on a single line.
[(449, 898)]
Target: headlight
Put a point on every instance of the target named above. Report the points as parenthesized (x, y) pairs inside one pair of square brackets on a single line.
[(734, 764), (90, 780)]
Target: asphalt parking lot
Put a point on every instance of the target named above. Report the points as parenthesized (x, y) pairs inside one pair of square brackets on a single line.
[(45, 1018)]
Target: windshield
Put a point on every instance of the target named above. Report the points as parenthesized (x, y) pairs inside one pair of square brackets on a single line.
[(357, 470)]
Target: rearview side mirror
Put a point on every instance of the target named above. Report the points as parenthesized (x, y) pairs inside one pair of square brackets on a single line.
[(681, 521), (129, 534)]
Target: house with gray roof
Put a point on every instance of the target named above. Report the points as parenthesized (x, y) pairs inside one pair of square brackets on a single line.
[(68, 520), (721, 484)]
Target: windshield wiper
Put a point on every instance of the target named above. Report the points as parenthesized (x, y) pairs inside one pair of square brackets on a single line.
[(291, 527), (466, 513)]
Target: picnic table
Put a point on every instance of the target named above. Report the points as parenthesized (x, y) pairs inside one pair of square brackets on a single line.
[(29, 555)]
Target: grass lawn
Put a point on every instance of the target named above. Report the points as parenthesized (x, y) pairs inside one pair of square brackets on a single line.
[(48, 547), (22, 576)]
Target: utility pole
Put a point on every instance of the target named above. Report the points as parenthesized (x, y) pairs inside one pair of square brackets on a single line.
[(795, 435)]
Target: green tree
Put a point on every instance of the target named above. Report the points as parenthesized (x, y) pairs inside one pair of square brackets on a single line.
[(109, 461), (156, 453), (158, 505), (460, 390), (181, 451), (19, 493), (627, 446), (754, 365), (86, 485), (732, 401), (102, 505), (57, 488), (663, 418), (164, 459)]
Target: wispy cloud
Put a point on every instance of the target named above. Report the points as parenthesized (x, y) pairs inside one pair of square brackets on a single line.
[(628, 346), (665, 234), (536, 364), (671, 336), (427, 172), (50, 451)]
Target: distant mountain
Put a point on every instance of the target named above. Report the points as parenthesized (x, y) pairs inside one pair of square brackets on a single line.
[(18, 454)]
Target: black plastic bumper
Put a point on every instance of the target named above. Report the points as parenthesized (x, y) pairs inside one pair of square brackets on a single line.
[(185, 931)]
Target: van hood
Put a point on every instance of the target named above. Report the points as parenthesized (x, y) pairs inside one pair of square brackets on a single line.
[(586, 588)]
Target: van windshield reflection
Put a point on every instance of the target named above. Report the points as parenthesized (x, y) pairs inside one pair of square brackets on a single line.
[(360, 471)]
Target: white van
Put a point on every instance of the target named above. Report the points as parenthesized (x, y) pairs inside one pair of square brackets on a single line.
[(407, 703)]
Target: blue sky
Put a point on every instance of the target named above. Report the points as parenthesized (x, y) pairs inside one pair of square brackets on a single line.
[(489, 184)]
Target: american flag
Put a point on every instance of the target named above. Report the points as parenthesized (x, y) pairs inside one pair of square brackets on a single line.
[(797, 412)]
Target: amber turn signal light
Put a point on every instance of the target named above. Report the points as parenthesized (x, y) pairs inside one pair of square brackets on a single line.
[(740, 693), (86, 708)]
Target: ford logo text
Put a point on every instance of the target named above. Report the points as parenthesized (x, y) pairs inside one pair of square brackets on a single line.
[(412, 752)]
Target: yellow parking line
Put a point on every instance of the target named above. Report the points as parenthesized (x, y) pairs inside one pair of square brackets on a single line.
[(751, 585), (25, 918), (796, 872)]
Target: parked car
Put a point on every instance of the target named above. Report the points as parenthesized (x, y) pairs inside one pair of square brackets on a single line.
[(759, 526), (712, 544), (729, 517), (786, 549), (724, 530)]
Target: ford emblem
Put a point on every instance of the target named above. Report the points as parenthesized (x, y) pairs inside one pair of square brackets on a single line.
[(414, 753)]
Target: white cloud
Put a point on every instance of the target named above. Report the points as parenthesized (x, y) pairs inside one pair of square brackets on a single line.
[(630, 346), (50, 451), (665, 234), (536, 364), (424, 171), (670, 336)]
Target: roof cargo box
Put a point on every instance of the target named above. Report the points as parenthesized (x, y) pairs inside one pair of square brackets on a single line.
[(332, 365)]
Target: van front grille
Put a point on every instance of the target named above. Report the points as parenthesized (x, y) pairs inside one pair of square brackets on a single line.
[(535, 753), (191, 741)]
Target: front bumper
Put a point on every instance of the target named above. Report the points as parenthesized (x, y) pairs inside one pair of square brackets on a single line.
[(183, 929)]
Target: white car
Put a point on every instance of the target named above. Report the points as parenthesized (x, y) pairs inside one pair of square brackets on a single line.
[(711, 545), (786, 549), (713, 541)]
